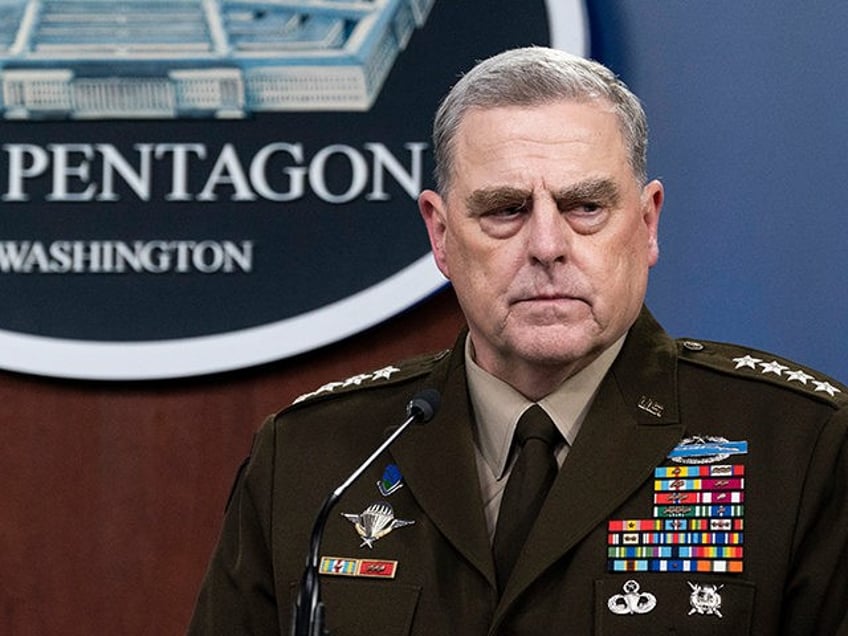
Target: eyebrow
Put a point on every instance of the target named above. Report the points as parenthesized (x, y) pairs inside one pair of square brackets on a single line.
[(602, 190), (492, 198)]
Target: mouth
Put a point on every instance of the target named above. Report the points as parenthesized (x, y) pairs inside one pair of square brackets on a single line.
[(546, 310), (547, 299), (550, 308)]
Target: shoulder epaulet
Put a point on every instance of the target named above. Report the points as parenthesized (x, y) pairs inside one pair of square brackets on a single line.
[(391, 374), (761, 365)]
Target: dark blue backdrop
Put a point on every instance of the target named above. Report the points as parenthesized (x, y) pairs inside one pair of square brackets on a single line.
[(747, 103)]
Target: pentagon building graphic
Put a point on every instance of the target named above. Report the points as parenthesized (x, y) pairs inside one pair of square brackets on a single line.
[(102, 59)]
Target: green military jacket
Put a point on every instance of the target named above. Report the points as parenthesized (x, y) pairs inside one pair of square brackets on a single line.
[(706, 493)]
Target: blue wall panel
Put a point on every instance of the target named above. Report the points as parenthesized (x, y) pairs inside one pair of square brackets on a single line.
[(747, 103)]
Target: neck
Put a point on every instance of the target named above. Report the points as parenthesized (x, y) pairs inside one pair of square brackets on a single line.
[(535, 381)]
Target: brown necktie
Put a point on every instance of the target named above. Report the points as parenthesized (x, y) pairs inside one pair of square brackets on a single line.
[(536, 437)]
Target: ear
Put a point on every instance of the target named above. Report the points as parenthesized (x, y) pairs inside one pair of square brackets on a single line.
[(433, 210), (652, 202)]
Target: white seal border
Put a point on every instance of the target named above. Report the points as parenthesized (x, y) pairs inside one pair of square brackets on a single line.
[(205, 355)]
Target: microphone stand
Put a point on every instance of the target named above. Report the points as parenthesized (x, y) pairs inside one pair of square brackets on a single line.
[(308, 617)]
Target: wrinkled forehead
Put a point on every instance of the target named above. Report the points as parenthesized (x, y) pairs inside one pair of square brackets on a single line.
[(552, 121), (548, 138)]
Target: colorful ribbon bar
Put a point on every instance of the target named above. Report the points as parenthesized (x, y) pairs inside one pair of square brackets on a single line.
[(676, 538), (699, 497), (338, 566), (699, 511), (674, 565), (674, 552), (666, 485), (699, 470), (680, 525), (369, 568)]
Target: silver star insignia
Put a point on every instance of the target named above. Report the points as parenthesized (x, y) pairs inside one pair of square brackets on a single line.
[(747, 361), (384, 373), (827, 387), (773, 367), (357, 379), (799, 376)]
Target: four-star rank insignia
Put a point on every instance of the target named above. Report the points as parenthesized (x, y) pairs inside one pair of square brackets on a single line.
[(763, 366)]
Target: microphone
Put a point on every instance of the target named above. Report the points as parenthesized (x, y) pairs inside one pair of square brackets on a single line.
[(308, 615), (424, 404)]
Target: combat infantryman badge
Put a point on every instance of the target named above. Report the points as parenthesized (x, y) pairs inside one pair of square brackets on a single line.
[(632, 601), (706, 449), (705, 599), (375, 522)]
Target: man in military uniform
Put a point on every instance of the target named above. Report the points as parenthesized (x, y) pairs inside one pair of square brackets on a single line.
[(664, 486)]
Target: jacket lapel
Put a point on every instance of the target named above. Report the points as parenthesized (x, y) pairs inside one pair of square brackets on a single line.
[(439, 468), (619, 444)]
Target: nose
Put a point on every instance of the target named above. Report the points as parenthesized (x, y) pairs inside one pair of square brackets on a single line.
[(547, 234)]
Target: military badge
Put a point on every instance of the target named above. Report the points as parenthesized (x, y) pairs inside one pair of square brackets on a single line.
[(375, 522), (650, 405), (705, 599), (632, 601), (706, 449), (391, 480)]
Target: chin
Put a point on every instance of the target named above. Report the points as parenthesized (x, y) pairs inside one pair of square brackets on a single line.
[(557, 346)]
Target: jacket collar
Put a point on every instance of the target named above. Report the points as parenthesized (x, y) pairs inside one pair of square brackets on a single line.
[(630, 428), (438, 464)]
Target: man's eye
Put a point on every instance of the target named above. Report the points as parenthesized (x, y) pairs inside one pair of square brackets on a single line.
[(507, 211), (586, 209), (586, 212), (587, 218), (503, 221)]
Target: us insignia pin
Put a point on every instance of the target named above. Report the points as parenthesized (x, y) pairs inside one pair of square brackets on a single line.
[(391, 480), (375, 522), (650, 405)]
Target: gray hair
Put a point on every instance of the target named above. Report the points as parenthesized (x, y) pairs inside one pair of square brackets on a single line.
[(534, 76)]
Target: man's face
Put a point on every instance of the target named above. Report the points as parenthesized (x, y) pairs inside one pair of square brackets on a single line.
[(545, 234)]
